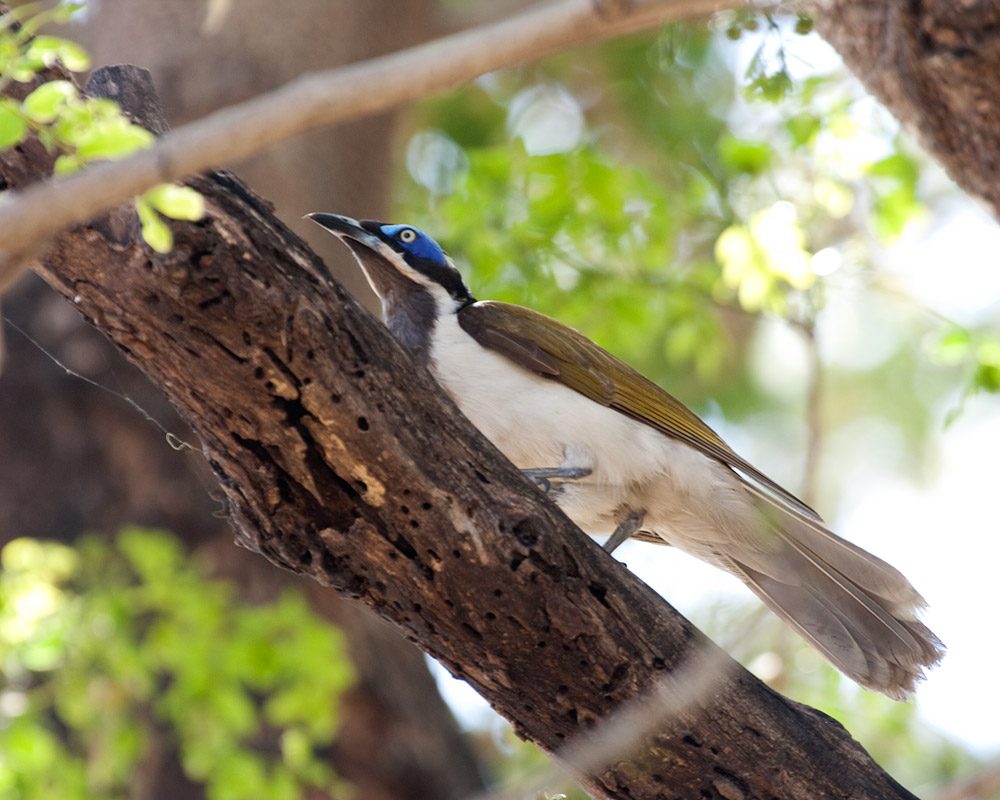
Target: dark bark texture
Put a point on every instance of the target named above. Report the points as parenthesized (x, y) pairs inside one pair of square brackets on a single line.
[(934, 64), (340, 459), (76, 458)]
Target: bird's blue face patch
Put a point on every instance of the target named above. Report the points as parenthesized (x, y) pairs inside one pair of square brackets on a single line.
[(414, 242)]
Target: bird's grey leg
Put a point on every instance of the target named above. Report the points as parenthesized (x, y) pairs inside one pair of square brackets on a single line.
[(625, 528), (540, 476)]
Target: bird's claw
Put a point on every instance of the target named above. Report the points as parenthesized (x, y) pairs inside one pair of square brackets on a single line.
[(625, 529)]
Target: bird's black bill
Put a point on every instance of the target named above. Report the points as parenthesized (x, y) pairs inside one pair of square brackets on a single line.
[(338, 225)]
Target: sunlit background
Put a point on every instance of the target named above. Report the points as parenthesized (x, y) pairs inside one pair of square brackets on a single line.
[(932, 515)]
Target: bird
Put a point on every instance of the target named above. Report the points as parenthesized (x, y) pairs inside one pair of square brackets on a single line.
[(622, 457)]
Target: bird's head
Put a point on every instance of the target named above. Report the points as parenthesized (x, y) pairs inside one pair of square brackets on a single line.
[(400, 261)]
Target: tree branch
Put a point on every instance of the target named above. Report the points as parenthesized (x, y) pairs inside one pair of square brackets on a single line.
[(331, 470), (324, 98)]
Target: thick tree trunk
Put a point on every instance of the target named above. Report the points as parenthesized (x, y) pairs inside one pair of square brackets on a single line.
[(76, 458), (934, 65), (201, 62), (340, 459)]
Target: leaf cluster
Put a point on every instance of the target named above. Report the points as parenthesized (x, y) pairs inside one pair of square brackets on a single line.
[(114, 654), (83, 130)]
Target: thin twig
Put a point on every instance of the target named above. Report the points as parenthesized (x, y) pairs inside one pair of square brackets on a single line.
[(38, 212), (622, 734), (814, 414)]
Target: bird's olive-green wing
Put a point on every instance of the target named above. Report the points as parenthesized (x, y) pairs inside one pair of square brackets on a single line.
[(549, 348)]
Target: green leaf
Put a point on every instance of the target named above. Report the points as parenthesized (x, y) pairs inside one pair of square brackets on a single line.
[(154, 229), (803, 24), (744, 155), (987, 375), (239, 775), (177, 202), (67, 163), (46, 50), (772, 87), (45, 103), (151, 552), (898, 166), (44, 560), (296, 748), (954, 347), (12, 127), (803, 127), (987, 378), (64, 12), (112, 139), (894, 209)]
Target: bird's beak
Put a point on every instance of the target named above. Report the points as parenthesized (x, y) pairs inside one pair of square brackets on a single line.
[(377, 259), (345, 228)]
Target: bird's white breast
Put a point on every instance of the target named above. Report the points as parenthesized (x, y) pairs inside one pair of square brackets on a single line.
[(538, 422)]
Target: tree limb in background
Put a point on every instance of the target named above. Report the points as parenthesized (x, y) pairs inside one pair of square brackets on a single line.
[(332, 470), (934, 65), (323, 98)]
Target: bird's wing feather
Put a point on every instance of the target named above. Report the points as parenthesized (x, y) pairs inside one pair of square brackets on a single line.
[(549, 348)]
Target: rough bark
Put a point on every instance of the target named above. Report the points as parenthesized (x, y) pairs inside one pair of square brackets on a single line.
[(934, 65), (77, 458), (341, 460)]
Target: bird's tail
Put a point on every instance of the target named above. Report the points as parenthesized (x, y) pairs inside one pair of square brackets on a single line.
[(855, 609)]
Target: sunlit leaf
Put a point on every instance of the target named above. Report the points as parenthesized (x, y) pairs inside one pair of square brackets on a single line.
[(894, 209), (154, 230), (296, 748), (177, 202), (954, 347), (67, 163), (12, 127), (744, 155), (45, 560), (803, 127), (45, 102), (46, 50), (65, 11), (987, 374), (898, 166), (112, 139), (771, 87)]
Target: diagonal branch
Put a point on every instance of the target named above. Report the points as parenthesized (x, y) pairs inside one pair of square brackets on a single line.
[(324, 98), (390, 496)]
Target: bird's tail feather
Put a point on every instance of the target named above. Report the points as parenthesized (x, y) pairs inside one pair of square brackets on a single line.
[(855, 609)]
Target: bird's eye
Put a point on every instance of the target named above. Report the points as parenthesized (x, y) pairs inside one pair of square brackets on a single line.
[(407, 235)]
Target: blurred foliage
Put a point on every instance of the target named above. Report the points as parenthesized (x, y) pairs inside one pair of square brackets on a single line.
[(113, 654), (675, 197), (82, 129), (643, 193), (976, 352)]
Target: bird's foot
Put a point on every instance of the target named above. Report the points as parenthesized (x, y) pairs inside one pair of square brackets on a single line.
[(625, 528), (542, 475)]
